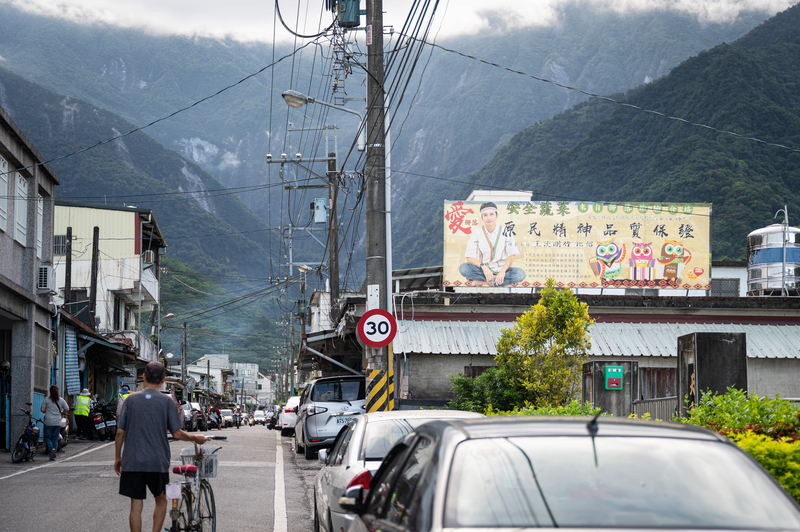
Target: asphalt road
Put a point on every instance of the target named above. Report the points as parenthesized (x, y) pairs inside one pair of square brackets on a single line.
[(79, 491)]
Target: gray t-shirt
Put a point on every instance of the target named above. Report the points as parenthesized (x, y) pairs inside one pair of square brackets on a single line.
[(146, 417), (52, 414)]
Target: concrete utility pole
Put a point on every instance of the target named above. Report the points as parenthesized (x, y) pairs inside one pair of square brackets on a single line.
[(333, 227), (377, 297), (93, 281), (183, 354)]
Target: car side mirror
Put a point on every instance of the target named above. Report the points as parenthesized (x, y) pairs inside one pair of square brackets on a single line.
[(323, 455), (297, 410), (353, 500)]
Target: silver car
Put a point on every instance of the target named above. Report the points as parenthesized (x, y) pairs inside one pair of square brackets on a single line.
[(326, 405), (356, 455), (288, 417)]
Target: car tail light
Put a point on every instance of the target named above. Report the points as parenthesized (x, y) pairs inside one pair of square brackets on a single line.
[(362, 479), (311, 410)]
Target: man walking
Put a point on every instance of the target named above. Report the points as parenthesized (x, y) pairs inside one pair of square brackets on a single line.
[(142, 431)]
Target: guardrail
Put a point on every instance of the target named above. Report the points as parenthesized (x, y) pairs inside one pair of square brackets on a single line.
[(663, 408)]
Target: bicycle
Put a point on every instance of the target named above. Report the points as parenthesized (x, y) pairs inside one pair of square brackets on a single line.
[(193, 508)]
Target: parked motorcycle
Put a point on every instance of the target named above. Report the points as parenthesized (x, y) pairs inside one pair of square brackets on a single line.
[(103, 422), (212, 422), (25, 449)]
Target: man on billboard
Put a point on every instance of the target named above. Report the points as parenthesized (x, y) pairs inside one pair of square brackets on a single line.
[(491, 252)]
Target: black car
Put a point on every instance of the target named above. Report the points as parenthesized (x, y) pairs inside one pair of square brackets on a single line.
[(517, 472)]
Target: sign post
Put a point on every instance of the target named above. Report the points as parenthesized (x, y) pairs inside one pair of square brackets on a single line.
[(377, 328)]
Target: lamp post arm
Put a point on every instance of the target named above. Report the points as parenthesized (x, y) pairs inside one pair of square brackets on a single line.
[(362, 127)]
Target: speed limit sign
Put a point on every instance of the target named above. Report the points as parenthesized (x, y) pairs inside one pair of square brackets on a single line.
[(377, 328)]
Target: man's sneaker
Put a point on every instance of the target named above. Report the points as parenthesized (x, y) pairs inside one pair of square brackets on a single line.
[(52, 454)]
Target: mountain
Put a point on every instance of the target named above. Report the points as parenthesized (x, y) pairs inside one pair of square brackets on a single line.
[(209, 232), (456, 112), (604, 151)]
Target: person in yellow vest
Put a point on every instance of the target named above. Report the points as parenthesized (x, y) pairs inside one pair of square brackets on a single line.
[(82, 409), (124, 392)]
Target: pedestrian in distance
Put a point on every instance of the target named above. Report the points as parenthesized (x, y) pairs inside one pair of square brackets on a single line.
[(53, 407), (82, 408), (142, 449), (124, 392)]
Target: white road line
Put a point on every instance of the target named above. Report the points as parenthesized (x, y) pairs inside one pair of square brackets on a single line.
[(58, 462), (280, 520)]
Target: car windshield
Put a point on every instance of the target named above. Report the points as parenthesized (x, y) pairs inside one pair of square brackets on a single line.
[(380, 436), (259, 414), (226, 412), (186, 407), (612, 482), (339, 391)]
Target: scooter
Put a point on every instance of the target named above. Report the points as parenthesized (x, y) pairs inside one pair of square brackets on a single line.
[(25, 449), (63, 434), (103, 422)]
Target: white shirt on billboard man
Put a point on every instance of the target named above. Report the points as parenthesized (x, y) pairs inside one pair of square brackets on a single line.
[(491, 251)]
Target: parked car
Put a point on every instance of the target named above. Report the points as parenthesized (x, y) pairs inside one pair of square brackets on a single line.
[(326, 405), (357, 454), (189, 417), (202, 422), (259, 418), (288, 416), (227, 417), (517, 472)]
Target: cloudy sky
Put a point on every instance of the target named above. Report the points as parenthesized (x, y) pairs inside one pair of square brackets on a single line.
[(253, 19)]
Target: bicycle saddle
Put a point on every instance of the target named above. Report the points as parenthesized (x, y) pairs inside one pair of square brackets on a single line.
[(188, 470)]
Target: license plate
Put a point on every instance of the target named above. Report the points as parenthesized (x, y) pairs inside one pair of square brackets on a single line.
[(341, 420), (111, 423), (99, 426)]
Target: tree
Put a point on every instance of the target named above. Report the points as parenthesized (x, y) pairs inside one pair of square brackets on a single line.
[(541, 356)]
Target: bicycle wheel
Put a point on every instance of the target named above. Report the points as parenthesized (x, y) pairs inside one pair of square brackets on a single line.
[(207, 510), (183, 524)]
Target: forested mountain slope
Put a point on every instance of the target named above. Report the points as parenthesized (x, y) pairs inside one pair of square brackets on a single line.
[(749, 87)]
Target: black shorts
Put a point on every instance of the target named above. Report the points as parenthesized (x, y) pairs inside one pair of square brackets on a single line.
[(133, 483)]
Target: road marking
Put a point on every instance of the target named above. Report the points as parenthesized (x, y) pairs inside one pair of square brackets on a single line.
[(59, 462), (280, 520)]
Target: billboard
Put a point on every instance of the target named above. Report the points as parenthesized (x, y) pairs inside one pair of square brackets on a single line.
[(578, 244)]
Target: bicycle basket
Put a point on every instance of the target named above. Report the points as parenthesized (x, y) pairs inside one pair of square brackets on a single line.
[(207, 467)]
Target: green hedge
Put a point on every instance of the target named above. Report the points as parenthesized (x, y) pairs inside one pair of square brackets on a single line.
[(781, 458)]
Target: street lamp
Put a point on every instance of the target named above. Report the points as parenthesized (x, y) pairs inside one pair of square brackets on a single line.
[(298, 99)]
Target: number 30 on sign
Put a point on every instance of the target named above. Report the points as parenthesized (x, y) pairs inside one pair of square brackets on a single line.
[(377, 328)]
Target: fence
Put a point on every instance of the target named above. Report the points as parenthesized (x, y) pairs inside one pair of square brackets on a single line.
[(663, 408)]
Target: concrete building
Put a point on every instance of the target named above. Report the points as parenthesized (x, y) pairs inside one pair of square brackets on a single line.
[(127, 287), (27, 188)]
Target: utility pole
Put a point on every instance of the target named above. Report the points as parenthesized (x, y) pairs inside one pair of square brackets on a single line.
[(333, 225), (93, 285), (183, 354), (377, 359), (68, 273)]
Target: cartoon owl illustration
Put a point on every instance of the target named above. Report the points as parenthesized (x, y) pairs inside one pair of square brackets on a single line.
[(674, 257), (607, 261), (642, 261)]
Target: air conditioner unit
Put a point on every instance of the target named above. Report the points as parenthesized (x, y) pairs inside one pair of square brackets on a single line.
[(149, 257), (44, 282)]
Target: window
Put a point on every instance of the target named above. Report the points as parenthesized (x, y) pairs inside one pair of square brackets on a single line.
[(340, 391), (60, 245), (725, 287), (475, 371), (21, 210), (41, 362), (4, 193), (401, 511), (341, 452), (39, 224)]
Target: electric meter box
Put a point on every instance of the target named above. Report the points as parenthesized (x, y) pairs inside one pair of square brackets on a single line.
[(613, 377), (349, 13), (320, 206)]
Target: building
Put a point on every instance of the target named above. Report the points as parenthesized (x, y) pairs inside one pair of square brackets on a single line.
[(104, 302), (27, 187)]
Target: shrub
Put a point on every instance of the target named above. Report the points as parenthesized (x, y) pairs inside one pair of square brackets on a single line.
[(489, 389), (735, 412), (780, 458), (573, 408)]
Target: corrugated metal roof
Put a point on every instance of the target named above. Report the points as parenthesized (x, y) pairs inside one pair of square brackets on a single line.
[(608, 339)]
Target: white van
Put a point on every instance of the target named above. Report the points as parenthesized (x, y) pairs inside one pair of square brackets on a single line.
[(288, 418)]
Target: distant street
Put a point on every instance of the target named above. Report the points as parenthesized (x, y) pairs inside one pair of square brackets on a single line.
[(80, 490)]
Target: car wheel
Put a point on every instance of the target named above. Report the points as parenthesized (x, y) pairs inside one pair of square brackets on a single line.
[(297, 447), (310, 453), (284, 432)]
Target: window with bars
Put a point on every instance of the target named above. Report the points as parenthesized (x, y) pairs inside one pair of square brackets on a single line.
[(41, 360), (21, 210), (59, 244), (4, 175), (725, 287), (657, 382)]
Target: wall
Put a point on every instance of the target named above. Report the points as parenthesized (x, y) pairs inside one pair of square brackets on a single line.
[(429, 375), (772, 376)]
